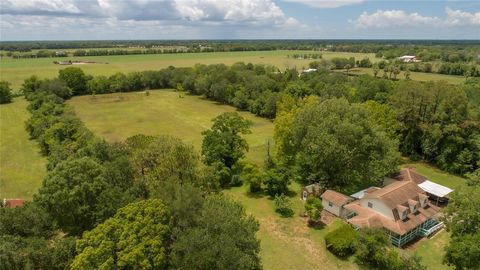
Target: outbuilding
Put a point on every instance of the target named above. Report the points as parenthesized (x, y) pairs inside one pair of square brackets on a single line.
[(333, 202)]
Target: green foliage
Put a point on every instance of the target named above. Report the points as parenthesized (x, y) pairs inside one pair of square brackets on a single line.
[(35, 252), (276, 181), (338, 144), (5, 92), (135, 238), (78, 195), (463, 220), (283, 206), (434, 125), (223, 142), (463, 252), (224, 239), (27, 221), (162, 158), (251, 174), (313, 208), (75, 79), (341, 241)]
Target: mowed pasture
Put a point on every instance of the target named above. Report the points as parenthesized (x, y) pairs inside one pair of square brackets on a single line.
[(22, 168), (116, 117), (16, 71)]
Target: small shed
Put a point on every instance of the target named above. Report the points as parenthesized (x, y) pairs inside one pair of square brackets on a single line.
[(12, 203), (333, 202), (312, 190)]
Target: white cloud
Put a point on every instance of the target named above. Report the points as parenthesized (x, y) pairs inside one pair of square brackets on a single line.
[(393, 18), (390, 18), (460, 18), (326, 3), (39, 6)]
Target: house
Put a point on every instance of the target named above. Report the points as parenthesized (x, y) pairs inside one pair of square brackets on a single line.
[(408, 58), (312, 190), (334, 203), (12, 203), (401, 208)]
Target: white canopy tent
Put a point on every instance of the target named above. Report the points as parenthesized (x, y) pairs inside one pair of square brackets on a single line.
[(435, 189)]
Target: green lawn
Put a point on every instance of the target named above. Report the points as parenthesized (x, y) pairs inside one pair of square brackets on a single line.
[(432, 249), (417, 76), (116, 117), (22, 168), (288, 243)]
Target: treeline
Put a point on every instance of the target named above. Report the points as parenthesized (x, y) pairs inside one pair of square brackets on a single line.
[(150, 192), (426, 50)]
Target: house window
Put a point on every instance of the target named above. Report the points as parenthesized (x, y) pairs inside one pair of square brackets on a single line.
[(370, 204), (330, 204)]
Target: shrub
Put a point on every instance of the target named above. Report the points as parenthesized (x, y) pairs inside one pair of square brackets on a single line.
[(5, 92), (283, 205), (313, 208), (341, 240), (276, 182)]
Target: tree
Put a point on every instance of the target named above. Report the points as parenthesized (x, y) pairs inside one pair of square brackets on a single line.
[(463, 220), (251, 174), (224, 239), (27, 221), (162, 158), (341, 241), (223, 142), (407, 75), (283, 206), (375, 71), (78, 195), (347, 67), (75, 79), (340, 145), (313, 209), (135, 238), (5, 92), (395, 72), (276, 182)]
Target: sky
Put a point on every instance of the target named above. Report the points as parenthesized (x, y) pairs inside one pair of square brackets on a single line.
[(238, 19)]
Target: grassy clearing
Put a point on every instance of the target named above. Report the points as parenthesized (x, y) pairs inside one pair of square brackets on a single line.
[(438, 176), (288, 243), (16, 71), (416, 76), (22, 168), (116, 117), (431, 250)]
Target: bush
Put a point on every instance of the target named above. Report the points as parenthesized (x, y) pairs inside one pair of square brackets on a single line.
[(341, 241), (276, 182), (313, 208), (5, 92), (283, 205)]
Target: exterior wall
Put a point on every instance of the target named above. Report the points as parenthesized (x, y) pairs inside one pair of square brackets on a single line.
[(334, 209), (378, 206)]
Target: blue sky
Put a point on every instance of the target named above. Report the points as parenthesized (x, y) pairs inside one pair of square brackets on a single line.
[(239, 19)]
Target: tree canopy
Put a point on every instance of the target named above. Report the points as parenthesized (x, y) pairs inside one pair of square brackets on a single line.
[(135, 238), (338, 144)]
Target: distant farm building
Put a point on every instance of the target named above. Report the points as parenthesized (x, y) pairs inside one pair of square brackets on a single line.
[(12, 203), (408, 58)]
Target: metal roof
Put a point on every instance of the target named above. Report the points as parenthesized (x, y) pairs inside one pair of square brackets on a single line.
[(435, 189)]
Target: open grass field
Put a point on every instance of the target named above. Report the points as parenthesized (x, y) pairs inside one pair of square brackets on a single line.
[(416, 76), (288, 243), (22, 168), (116, 117), (16, 71)]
